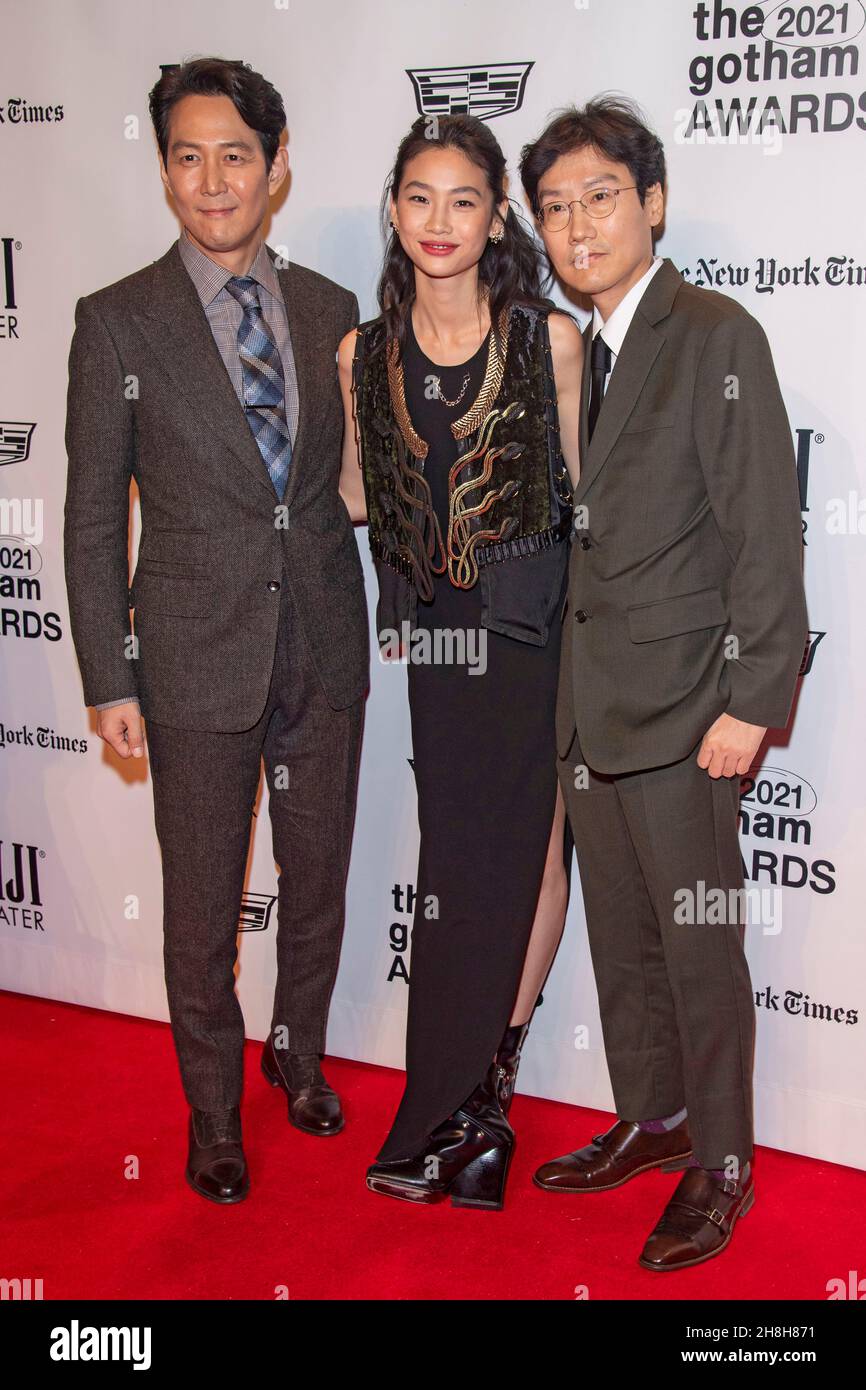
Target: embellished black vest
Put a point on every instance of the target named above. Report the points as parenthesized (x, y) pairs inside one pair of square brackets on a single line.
[(509, 491)]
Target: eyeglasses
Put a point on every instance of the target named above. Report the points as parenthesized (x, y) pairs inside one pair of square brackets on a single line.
[(602, 201)]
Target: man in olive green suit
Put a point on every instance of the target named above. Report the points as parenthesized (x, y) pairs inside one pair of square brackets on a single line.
[(684, 630)]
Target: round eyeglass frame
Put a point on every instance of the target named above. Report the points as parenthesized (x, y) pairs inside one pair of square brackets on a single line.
[(595, 215)]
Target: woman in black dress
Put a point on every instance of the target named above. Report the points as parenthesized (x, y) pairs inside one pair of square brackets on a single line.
[(460, 451)]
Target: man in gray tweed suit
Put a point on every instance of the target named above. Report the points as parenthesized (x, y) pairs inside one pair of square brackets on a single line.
[(210, 377)]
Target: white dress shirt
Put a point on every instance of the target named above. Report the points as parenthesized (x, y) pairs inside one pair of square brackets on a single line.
[(614, 328)]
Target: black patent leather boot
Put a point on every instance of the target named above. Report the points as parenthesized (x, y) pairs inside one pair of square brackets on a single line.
[(455, 1160), (466, 1157), (506, 1062)]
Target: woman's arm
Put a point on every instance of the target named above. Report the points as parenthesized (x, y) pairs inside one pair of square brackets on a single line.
[(351, 481), (566, 347)]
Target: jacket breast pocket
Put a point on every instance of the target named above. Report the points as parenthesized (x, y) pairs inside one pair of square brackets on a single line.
[(173, 548), (668, 617), (650, 420)]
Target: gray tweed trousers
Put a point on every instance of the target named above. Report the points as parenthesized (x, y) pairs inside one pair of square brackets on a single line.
[(204, 790)]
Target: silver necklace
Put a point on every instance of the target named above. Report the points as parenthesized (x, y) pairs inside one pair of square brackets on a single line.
[(442, 397), (439, 394)]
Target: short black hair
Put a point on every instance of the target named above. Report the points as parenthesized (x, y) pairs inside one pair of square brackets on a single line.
[(614, 125), (258, 103)]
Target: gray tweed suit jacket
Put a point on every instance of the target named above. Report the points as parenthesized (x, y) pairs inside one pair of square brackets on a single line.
[(150, 398)]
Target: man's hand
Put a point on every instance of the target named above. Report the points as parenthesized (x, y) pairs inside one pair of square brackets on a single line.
[(121, 728), (729, 746)]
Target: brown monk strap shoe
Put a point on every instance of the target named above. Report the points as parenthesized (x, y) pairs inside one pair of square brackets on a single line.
[(698, 1221), (612, 1158)]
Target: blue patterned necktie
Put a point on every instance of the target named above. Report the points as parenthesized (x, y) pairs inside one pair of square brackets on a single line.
[(264, 383)]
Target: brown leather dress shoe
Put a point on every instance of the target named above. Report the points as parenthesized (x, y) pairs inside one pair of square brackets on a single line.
[(698, 1221), (612, 1158), (216, 1167), (313, 1106)]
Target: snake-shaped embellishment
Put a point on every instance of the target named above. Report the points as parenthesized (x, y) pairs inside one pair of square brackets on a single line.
[(462, 542)]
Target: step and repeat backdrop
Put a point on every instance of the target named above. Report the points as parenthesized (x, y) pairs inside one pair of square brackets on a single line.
[(762, 109)]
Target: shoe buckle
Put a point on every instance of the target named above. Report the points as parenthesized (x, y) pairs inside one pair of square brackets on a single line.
[(716, 1216)]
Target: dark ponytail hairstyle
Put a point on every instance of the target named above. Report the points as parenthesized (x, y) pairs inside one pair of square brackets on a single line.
[(511, 269)]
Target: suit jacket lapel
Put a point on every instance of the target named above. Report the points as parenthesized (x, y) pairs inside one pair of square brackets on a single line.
[(178, 331), (585, 388), (640, 348)]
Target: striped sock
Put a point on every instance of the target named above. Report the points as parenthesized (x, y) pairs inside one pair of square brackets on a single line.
[(665, 1123)]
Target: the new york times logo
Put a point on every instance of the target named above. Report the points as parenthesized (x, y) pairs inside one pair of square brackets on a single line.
[(77, 1343), (16, 111), (801, 1005)]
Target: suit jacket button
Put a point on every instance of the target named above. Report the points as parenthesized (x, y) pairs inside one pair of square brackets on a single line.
[(273, 585), (585, 543), (581, 615)]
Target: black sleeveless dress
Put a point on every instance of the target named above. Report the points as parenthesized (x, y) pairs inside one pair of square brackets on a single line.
[(485, 769)]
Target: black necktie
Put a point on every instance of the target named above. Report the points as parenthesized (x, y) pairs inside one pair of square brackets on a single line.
[(599, 367)]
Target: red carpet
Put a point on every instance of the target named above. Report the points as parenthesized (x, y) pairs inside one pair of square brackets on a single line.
[(87, 1094)]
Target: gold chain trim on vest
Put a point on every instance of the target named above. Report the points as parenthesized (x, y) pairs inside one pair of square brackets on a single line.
[(497, 351), (396, 386), (495, 370)]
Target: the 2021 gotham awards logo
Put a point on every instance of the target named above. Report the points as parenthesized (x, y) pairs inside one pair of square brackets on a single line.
[(21, 613), (20, 894), (485, 90), (400, 933), (403, 898), (795, 67), (776, 829)]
